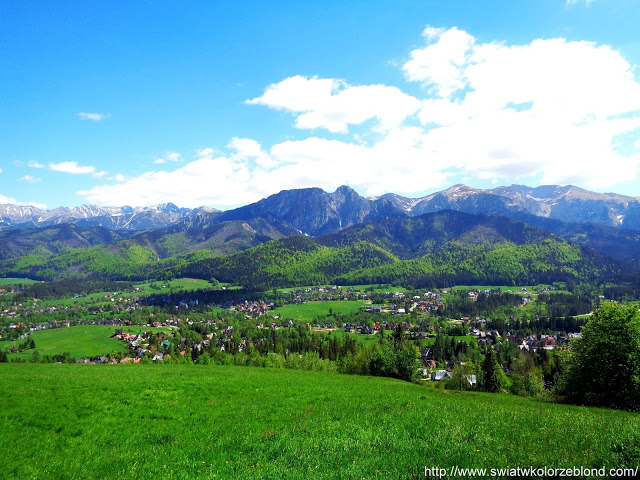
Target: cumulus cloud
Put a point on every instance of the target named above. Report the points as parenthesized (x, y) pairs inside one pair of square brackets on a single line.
[(334, 105), (72, 167), (4, 199), (96, 117), (168, 157), (247, 172), (34, 164), (29, 179), (207, 180), (552, 110)]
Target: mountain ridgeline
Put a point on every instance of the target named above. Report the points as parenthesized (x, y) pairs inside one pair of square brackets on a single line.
[(506, 235), (444, 248)]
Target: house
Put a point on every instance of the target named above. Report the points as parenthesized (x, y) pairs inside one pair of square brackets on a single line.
[(472, 379), (441, 375)]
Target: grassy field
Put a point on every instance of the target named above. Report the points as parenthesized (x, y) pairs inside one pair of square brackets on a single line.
[(100, 298), (212, 422), (430, 341), (16, 281), (365, 339), (81, 341), (187, 284), (507, 288), (306, 312)]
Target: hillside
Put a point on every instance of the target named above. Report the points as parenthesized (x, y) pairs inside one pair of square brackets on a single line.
[(602, 222), (433, 249), (242, 422)]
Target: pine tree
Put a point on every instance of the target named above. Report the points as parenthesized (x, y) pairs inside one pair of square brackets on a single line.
[(492, 374)]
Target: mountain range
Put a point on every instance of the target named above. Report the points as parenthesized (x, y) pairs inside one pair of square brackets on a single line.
[(452, 234), (316, 212)]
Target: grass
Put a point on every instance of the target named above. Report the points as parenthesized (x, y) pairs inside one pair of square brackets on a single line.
[(187, 284), (100, 298), (16, 281), (307, 312), (365, 339), (510, 288), (81, 341), (206, 422), (430, 341)]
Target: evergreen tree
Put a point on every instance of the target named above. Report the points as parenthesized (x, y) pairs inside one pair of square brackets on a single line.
[(492, 375)]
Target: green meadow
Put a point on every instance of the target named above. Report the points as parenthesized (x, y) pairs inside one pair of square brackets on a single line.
[(147, 289), (80, 341), (16, 281), (186, 284), (214, 422), (309, 311)]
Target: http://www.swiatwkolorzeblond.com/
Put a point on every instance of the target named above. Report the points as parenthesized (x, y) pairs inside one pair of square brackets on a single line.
[(531, 472)]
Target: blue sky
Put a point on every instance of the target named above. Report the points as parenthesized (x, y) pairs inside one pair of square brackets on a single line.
[(223, 103)]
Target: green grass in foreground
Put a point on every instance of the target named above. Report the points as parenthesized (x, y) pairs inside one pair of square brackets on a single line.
[(308, 311), (170, 421), (80, 341)]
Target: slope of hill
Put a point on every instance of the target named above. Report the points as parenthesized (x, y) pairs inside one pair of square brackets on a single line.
[(53, 240), (241, 422), (448, 247)]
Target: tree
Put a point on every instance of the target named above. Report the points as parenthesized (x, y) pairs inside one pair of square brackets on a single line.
[(604, 366), (493, 378)]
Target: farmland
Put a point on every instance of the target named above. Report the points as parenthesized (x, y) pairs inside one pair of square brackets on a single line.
[(235, 422)]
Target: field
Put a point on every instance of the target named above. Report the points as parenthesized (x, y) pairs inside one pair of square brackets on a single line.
[(187, 284), (508, 288), (80, 341), (16, 281), (364, 339), (430, 341), (307, 312), (149, 288), (145, 421)]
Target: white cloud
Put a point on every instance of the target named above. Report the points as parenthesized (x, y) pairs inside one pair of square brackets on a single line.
[(248, 172), (334, 104), (119, 177), (438, 64), (208, 180), (29, 179), (0, 170), (168, 157), (34, 164), (4, 199), (574, 2), (74, 168), (96, 117), (551, 108)]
